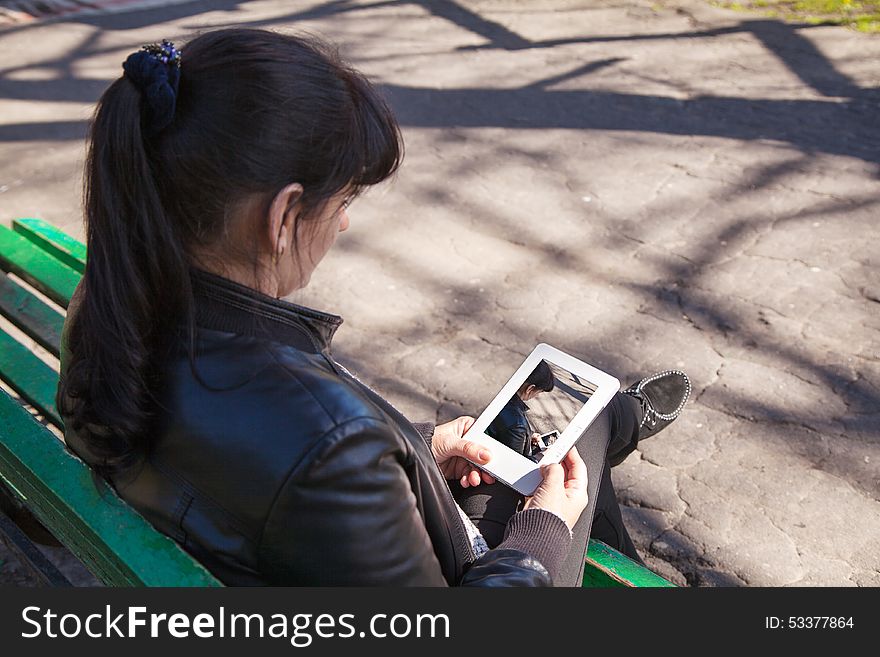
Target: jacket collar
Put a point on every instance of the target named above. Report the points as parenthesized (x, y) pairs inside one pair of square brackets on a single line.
[(519, 403), (224, 305)]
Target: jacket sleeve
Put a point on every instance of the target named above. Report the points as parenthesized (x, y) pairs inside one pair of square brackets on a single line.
[(517, 437), (349, 517), (524, 439)]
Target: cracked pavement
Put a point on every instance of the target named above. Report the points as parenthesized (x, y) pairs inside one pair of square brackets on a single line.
[(643, 184)]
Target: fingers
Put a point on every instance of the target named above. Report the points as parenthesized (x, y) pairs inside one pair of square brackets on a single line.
[(573, 461), (448, 434), (462, 424), (474, 477), (560, 494), (464, 468), (472, 451), (470, 479), (457, 456), (554, 475), (466, 423), (575, 470)]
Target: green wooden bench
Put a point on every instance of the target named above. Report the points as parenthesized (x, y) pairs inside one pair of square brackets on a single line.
[(113, 541)]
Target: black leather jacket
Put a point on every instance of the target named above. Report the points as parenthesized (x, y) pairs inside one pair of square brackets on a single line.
[(274, 465), (512, 427)]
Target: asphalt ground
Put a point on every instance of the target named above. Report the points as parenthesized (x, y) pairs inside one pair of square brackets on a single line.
[(645, 185)]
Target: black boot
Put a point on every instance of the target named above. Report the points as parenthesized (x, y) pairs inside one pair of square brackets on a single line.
[(661, 396)]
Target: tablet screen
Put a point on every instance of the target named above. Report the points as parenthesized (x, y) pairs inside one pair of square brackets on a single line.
[(539, 411)]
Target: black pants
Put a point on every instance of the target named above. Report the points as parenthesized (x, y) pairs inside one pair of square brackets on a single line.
[(609, 440)]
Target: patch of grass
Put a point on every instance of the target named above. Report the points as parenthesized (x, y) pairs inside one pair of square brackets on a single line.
[(862, 15)]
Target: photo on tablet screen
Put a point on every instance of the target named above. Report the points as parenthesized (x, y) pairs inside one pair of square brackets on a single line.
[(540, 410)]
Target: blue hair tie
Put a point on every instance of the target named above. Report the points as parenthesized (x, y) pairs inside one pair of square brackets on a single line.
[(155, 70)]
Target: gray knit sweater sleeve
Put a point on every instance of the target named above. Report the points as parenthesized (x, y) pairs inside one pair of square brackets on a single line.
[(426, 429), (537, 532)]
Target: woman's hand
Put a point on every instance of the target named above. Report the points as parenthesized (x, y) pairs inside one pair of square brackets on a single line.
[(564, 489), (452, 453)]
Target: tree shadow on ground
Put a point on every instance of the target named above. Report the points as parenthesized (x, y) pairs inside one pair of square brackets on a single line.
[(535, 107), (679, 283)]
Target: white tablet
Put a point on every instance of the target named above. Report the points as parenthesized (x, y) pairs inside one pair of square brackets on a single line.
[(539, 414)]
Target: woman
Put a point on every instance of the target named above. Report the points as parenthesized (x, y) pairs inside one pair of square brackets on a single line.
[(215, 183)]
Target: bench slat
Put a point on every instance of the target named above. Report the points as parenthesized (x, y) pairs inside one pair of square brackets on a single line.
[(112, 539), (25, 259), (29, 376), (606, 567), (35, 318), (54, 241)]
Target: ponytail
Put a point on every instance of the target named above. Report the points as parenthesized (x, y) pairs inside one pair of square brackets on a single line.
[(172, 175), (135, 287)]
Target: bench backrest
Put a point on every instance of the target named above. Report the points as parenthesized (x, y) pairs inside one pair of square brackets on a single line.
[(108, 536)]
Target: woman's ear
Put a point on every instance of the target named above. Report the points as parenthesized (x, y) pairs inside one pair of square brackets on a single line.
[(282, 218)]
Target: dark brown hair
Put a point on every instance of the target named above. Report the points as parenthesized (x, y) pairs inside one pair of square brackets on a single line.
[(256, 110), (541, 377)]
